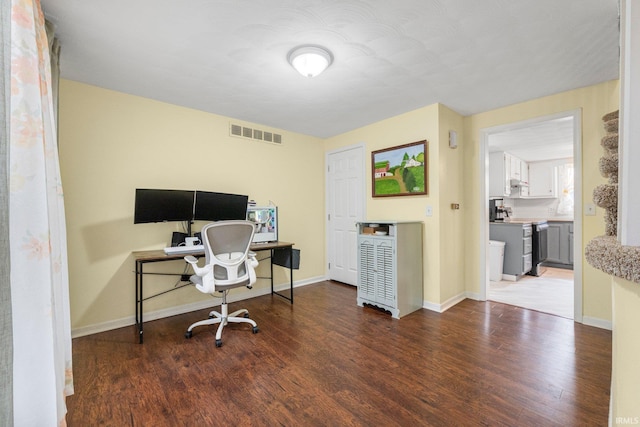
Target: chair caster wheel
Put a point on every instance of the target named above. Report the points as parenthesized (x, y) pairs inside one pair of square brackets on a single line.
[(255, 329), (189, 334), (246, 315), (218, 343)]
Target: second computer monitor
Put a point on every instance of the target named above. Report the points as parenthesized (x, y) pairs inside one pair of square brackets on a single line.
[(212, 206)]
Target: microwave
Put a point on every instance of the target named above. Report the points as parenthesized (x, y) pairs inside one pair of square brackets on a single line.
[(266, 220)]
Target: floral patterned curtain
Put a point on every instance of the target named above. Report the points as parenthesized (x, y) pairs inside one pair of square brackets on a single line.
[(6, 329), (42, 375)]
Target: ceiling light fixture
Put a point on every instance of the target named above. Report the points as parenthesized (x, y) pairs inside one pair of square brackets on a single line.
[(310, 60)]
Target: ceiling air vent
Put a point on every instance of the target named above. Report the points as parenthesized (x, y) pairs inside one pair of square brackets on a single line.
[(256, 134)]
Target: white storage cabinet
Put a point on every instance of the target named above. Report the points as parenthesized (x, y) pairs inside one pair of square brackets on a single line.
[(390, 266)]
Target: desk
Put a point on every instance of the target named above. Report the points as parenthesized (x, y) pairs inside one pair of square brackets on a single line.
[(144, 257)]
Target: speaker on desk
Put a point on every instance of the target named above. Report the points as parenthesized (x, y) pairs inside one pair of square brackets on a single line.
[(177, 238)]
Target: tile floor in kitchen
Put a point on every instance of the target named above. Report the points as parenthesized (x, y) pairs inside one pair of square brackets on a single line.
[(550, 293)]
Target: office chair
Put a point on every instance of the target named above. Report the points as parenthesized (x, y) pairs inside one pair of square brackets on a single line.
[(229, 264)]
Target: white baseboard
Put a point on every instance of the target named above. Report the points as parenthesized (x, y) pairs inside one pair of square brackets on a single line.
[(473, 295), (185, 308), (441, 308), (598, 323)]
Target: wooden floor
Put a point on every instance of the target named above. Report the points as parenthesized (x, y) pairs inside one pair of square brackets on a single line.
[(325, 361)]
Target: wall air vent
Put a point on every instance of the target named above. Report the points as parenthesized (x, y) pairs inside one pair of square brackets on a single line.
[(236, 130), (256, 134)]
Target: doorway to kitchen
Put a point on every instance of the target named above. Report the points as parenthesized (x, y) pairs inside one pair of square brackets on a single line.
[(550, 148)]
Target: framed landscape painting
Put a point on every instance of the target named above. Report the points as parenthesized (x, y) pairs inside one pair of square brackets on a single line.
[(400, 171)]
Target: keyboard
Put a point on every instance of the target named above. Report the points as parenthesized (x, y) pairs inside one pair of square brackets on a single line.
[(184, 249)]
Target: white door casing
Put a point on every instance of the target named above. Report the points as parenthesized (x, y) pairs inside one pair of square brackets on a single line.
[(345, 202), (578, 202)]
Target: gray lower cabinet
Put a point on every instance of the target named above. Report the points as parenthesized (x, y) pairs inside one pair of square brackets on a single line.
[(517, 249), (560, 244), (390, 266)]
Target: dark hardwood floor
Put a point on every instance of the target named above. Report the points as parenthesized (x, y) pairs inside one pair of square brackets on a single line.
[(325, 361)]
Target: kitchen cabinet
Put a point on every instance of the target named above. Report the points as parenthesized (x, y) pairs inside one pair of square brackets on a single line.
[(517, 249), (504, 170), (543, 180), (390, 266), (499, 174), (560, 244), (516, 168)]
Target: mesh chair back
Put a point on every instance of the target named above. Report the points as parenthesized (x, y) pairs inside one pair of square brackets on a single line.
[(228, 242)]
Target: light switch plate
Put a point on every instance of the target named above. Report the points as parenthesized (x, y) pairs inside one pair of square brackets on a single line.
[(590, 209), (429, 210)]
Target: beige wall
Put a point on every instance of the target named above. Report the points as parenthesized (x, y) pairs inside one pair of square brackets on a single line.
[(594, 102), (112, 143), (443, 278), (452, 228), (625, 382)]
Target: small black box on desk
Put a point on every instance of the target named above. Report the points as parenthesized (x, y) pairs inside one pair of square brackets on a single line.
[(281, 256)]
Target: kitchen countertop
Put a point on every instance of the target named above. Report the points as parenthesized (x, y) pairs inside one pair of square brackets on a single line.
[(535, 220), (532, 220), (516, 221)]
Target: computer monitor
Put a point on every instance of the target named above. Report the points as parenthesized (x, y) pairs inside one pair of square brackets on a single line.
[(266, 219), (154, 205), (211, 206)]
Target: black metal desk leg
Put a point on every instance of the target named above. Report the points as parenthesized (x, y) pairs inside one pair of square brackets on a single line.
[(291, 272), (141, 324), (271, 265)]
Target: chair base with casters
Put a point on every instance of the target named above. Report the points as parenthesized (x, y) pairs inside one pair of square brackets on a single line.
[(222, 319)]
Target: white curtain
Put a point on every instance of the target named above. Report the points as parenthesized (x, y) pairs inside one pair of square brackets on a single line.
[(42, 375), (6, 330)]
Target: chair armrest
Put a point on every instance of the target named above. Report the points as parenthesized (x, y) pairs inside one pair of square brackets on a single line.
[(253, 261), (191, 259), (198, 270)]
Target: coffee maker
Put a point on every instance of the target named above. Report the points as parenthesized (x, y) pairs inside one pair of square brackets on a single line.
[(492, 210), (498, 212)]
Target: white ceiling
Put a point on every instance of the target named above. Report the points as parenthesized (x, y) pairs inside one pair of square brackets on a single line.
[(546, 140), (228, 57)]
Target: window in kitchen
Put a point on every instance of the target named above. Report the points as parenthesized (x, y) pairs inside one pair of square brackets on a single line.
[(565, 181)]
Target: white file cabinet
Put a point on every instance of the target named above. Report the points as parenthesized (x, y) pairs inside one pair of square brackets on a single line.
[(390, 266)]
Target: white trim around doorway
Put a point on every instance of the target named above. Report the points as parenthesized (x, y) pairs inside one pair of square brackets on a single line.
[(578, 202)]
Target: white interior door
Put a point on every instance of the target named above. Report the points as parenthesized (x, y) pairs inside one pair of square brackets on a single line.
[(345, 207)]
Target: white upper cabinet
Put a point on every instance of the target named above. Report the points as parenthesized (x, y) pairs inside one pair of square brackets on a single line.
[(515, 167), (499, 174), (543, 179), (506, 170)]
